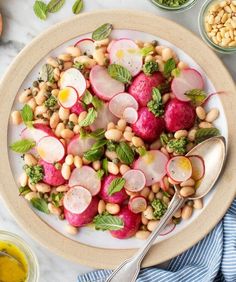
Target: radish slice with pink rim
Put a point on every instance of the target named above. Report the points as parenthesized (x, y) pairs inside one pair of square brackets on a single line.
[(103, 85), (153, 165), (67, 97), (74, 78), (120, 102), (77, 199), (187, 80), (109, 46), (86, 46), (198, 167), (50, 149), (134, 180), (86, 177), (78, 146), (130, 115), (36, 133), (137, 204), (179, 168), (126, 52)]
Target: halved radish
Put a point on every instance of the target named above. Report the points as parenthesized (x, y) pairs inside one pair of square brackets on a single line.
[(137, 204), (130, 115), (126, 52), (68, 97), (153, 165), (120, 102), (134, 180), (187, 80), (103, 85), (179, 168), (77, 199), (103, 118), (168, 229), (109, 45), (73, 78), (50, 149), (78, 146), (86, 46), (198, 167), (86, 177), (37, 132)]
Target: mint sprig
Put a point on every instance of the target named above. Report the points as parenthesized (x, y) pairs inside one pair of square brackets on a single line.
[(116, 185), (119, 73), (23, 146), (108, 222)]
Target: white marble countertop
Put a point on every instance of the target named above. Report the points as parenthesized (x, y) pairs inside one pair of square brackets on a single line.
[(20, 27)]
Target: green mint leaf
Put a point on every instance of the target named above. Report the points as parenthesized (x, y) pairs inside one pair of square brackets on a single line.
[(100, 173), (27, 114), (206, 133), (40, 10), (146, 50), (55, 5), (156, 106), (97, 103), (119, 73), (178, 145), (24, 190), (46, 73), (40, 204), (125, 153), (94, 154), (197, 96), (56, 198), (116, 185), (22, 146), (77, 7), (141, 151), (99, 144), (169, 66), (98, 134), (108, 222), (87, 97), (90, 118), (150, 67), (34, 172), (102, 32), (105, 165)]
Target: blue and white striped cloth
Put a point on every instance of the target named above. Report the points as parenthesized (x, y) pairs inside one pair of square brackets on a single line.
[(212, 259)]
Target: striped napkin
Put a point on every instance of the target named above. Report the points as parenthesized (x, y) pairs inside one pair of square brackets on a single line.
[(212, 259)]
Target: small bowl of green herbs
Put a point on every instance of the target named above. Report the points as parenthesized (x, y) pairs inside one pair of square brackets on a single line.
[(174, 5)]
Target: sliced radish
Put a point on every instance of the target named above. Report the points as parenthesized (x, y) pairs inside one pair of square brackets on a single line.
[(137, 204), (198, 167), (78, 146), (103, 118), (187, 80), (37, 132), (179, 168), (109, 46), (120, 102), (68, 97), (86, 177), (103, 85), (168, 229), (134, 180), (153, 165), (126, 52), (73, 78), (130, 115), (86, 46), (77, 199), (50, 149)]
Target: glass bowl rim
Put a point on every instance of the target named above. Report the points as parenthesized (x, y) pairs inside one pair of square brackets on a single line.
[(189, 4)]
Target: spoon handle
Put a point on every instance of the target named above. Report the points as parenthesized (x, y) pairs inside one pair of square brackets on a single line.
[(128, 271)]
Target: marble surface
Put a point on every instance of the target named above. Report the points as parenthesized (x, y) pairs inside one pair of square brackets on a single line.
[(20, 27)]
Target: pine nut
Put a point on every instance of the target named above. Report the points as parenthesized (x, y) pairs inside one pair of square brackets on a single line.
[(137, 141), (29, 159), (212, 115), (148, 213), (64, 113), (152, 224), (205, 124), (192, 134), (112, 208), (123, 169), (62, 188), (16, 117), (69, 159), (73, 51), (187, 191), (142, 234), (67, 133), (31, 195), (189, 182), (23, 179), (54, 120), (65, 171), (201, 114), (53, 209), (180, 133), (113, 134), (78, 162), (198, 204), (72, 230), (25, 96), (112, 168), (187, 212), (96, 165), (145, 192), (43, 187), (155, 187), (101, 206)]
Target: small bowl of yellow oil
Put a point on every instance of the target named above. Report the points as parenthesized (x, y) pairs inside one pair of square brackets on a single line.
[(18, 263)]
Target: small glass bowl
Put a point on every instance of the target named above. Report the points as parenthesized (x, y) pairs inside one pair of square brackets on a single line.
[(189, 4), (33, 267), (205, 37)]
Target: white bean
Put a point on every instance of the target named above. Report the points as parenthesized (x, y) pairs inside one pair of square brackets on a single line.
[(112, 168), (43, 187), (29, 159), (16, 117), (112, 208), (212, 115), (101, 206), (113, 134), (72, 230), (142, 234), (66, 171)]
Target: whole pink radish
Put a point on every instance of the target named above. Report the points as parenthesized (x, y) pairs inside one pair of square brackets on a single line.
[(85, 217), (147, 126), (141, 87), (131, 224), (52, 175), (77, 108), (179, 115), (116, 198)]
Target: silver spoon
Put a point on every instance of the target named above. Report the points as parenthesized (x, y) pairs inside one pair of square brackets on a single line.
[(213, 151), (13, 259)]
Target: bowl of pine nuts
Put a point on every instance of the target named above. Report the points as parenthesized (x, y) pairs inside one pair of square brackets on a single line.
[(217, 25)]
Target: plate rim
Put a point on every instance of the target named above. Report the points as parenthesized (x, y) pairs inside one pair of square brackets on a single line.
[(121, 19)]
